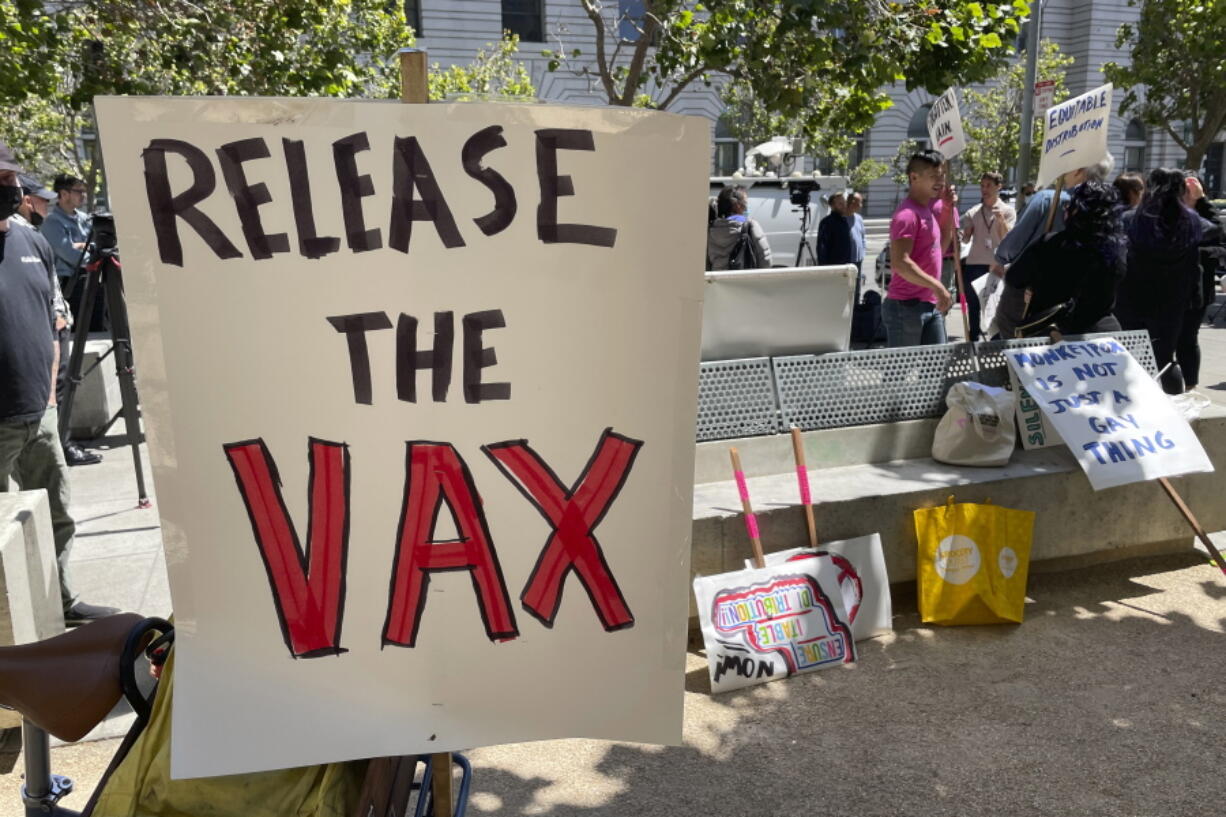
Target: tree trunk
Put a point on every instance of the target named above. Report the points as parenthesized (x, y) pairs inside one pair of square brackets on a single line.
[(1195, 155)]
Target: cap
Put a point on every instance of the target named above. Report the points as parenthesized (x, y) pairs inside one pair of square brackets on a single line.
[(7, 162), (34, 188)]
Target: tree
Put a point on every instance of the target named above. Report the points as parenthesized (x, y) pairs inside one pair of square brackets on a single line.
[(992, 118), (1177, 77), (493, 71), (344, 48), (865, 173), (821, 63)]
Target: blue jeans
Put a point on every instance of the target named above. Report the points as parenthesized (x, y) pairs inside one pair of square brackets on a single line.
[(912, 323)]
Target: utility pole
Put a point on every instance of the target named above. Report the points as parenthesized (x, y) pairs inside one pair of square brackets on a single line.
[(1033, 30)]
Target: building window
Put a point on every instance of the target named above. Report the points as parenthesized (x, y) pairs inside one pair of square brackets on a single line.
[(1134, 147), (728, 151), (412, 15), (917, 128), (525, 18)]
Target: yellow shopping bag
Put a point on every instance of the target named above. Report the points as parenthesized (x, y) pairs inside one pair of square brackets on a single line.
[(972, 563)]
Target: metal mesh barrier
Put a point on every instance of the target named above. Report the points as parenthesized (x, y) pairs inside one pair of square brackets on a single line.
[(736, 398), (910, 383)]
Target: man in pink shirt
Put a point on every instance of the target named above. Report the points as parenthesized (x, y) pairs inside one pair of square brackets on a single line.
[(916, 302)]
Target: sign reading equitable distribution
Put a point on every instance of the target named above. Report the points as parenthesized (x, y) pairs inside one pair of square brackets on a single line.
[(1075, 134), (420, 386), (1118, 423)]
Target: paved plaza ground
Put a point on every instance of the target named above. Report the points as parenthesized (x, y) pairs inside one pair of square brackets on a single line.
[(1109, 700)]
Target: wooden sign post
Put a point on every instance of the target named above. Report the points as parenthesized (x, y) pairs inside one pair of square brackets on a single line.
[(802, 476), (751, 521)]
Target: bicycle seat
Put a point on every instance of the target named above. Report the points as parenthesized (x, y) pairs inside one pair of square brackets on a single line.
[(67, 684)]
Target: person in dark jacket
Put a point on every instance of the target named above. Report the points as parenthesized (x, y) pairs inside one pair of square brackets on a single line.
[(1071, 274), (834, 234), (734, 233), (1187, 346), (1163, 270)]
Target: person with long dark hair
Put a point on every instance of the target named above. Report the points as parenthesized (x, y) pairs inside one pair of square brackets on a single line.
[(1163, 268), (1070, 275)]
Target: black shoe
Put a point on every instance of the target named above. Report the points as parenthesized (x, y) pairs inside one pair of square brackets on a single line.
[(82, 613), (76, 455)]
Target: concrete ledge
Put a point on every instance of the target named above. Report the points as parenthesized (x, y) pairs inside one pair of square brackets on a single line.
[(98, 398), (30, 607), (1072, 519), (824, 448)]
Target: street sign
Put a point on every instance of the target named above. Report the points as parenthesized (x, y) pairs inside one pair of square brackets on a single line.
[(1044, 95)]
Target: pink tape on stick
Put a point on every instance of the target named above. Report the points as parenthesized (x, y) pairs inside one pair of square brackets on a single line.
[(751, 521), (741, 486), (802, 476), (751, 526)]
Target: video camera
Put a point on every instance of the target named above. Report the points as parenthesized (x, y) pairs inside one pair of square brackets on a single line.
[(801, 191), (105, 240)]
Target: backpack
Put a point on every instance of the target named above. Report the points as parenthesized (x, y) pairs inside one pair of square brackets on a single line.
[(744, 253)]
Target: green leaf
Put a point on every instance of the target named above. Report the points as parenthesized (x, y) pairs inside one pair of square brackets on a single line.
[(990, 41)]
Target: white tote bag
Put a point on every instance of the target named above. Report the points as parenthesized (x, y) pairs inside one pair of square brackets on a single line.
[(978, 427)]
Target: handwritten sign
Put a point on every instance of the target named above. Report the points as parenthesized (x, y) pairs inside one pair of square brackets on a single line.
[(1075, 134), (1115, 419), (945, 125), (764, 624), (1033, 427), (853, 569), (420, 390)]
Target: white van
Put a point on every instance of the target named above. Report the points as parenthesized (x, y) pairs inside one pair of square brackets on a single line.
[(770, 204)]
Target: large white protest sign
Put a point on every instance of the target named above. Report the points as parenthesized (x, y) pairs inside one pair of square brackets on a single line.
[(945, 125), (1118, 423), (768, 623), (429, 372), (1075, 134)]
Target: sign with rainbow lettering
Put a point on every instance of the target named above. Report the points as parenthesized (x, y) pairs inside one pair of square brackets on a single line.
[(767, 623)]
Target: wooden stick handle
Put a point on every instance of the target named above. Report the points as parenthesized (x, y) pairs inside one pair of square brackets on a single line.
[(414, 76), (1055, 202), (440, 784), (1214, 553), (802, 478), (751, 521)]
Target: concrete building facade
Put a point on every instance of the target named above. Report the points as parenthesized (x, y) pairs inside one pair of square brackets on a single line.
[(453, 30)]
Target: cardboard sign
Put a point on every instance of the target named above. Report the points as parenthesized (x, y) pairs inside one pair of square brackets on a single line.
[(1116, 420), (1075, 134), (1033, 427), (763, 624), (945, 125), (853, 569), (428, 372)]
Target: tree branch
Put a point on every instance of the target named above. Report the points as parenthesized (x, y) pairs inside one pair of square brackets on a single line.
[(680, 85), (602, 64), (640, 57)]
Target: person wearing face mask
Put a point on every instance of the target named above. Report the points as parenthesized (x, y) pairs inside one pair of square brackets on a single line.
[(30, 448), (33, 212)]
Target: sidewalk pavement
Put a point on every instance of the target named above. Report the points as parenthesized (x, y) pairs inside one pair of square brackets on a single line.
[(1109, 700)]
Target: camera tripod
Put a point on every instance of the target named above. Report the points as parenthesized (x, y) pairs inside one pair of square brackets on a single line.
[(103, 277), (805, 247)]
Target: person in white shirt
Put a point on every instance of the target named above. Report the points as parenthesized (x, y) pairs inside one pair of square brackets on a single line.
[(985, 226)]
